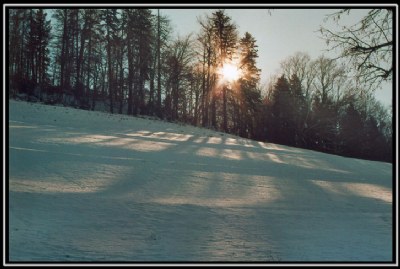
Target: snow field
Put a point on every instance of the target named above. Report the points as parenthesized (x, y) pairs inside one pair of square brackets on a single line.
[(91, 186)]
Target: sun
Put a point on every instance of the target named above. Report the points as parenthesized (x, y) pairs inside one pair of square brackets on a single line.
[(230, 72)]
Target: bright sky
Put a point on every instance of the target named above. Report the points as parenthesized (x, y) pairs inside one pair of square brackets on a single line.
[(279, 33)]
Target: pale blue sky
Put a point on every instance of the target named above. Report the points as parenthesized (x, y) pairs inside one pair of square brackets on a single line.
[(279, 34)]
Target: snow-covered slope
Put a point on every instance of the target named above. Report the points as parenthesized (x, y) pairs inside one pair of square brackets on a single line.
[(91, 186)]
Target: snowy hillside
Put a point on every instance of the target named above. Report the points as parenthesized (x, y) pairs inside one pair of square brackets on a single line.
[(91, 186)]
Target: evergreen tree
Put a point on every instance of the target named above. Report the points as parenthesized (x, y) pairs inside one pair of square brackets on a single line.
[(250, 95), (224, 40), (299, 106), (282, 113), (351, 132)]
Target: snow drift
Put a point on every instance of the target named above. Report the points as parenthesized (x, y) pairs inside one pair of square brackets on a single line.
[(91, 186)]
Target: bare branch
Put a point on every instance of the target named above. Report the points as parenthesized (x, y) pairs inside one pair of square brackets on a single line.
[(368, 44)]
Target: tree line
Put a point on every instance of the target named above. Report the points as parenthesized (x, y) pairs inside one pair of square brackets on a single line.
[(127, 61), (315, 104)]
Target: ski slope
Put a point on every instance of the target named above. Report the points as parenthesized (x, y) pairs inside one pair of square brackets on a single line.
[(90, 186)]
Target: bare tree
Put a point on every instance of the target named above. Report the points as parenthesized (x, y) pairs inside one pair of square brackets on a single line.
[(207, 59), (368, 44), (178, 62), (329, 77), (301, 65)]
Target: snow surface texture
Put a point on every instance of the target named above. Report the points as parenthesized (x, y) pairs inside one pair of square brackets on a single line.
[(91, 186)]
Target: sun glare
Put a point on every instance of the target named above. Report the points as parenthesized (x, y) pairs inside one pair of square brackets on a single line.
[(230, 72)]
